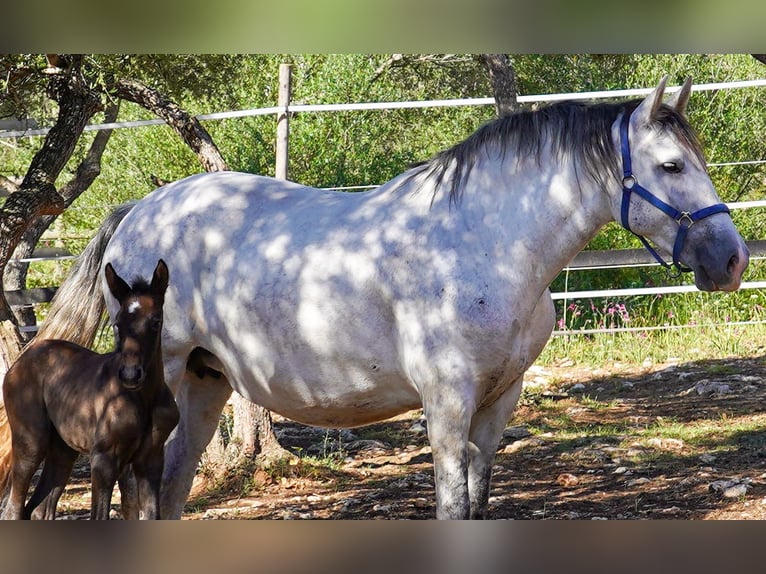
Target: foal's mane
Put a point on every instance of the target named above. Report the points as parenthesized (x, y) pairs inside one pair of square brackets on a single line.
[(577, 129), (140, 286)]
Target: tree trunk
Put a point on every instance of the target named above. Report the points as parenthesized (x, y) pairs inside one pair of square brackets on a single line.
[(37, 195), (87, 172), (503, 79)]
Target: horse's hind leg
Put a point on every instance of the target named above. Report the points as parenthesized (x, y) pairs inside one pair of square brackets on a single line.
[(23, 467), (200, 402), (30, 440), (56, 471)]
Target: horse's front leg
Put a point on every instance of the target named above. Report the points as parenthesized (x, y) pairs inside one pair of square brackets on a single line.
[(103, 476), (449, 416), (486, 431), (489, 421), (129, 505), (149, 463), (148, 472)]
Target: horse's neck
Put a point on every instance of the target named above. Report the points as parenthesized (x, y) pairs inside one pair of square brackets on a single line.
[(543, 211)]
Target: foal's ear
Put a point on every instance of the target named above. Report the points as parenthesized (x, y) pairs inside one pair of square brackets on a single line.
[(647, 109), (117, 285), (160, 278), (680, 98)]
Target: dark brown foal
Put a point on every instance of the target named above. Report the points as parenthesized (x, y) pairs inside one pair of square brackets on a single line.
[(63, 399)]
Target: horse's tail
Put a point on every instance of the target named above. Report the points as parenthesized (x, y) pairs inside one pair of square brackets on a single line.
[(77, 309), (76, 313)]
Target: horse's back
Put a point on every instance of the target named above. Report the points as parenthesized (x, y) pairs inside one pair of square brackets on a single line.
[(284, 284)]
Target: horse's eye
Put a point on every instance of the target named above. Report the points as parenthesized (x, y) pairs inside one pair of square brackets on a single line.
[(155, 323), (672, 167)]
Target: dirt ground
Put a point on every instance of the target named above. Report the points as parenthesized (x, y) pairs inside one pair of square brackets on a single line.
[(612, 442)]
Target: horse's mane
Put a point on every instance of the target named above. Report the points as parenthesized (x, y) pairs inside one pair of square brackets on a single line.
[(580, 130)]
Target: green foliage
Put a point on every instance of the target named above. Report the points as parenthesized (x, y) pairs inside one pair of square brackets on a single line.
[(332, 149)]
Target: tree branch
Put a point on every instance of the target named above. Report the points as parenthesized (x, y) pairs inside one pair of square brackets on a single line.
[(187, 126), (87, 171)]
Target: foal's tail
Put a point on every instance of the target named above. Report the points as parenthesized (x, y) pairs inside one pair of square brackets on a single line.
[(76, 313)]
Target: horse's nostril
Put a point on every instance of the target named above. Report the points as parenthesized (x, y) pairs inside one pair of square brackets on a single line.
[(733, 263), (131, 374)]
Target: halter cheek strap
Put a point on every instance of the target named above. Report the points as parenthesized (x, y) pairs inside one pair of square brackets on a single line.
[(684, 219)]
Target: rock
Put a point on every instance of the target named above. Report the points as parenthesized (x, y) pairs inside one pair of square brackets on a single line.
[(419, 426), (666, 443), (706, 387), (707, 458), (516, 433), (732, 488), (567, 480), (368, 446), (577, 388)]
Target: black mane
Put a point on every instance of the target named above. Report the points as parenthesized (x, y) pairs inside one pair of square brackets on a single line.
[(581, 130)]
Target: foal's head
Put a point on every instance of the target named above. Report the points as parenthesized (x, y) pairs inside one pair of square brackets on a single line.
[(138, 325)]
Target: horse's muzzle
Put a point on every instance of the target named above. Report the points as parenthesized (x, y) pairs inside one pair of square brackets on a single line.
[(729, 277), (132, 377)]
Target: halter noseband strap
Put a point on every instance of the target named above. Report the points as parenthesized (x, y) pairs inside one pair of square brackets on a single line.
[(684, 219)]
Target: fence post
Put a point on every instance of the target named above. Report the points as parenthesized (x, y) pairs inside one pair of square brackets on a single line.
[(283, 121)]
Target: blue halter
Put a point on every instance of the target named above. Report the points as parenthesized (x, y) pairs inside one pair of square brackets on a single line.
[(684, 219)]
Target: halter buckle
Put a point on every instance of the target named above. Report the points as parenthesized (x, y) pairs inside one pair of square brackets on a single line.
[(629, 181), (685, 220)]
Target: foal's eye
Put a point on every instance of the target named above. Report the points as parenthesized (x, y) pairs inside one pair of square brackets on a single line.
[(155, 323), (672, 167)]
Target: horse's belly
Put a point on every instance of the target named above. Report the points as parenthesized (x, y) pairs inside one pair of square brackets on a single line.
[(344, 399)]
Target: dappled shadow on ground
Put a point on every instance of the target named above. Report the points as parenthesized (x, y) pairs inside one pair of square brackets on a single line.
[(678, 441)]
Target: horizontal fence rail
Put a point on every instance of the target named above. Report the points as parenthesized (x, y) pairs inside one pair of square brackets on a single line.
[(455, 102)]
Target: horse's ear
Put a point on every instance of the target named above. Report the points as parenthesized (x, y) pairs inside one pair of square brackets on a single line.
[(117, 285), (680, 98), (160, 278), (647, 109)]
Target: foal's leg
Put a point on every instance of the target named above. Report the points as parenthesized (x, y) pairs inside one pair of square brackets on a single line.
[(200, 402), (23, 466), (103, 476), (148, 466), (31, 434), (486, 430), (129, 505), (53, 480)]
